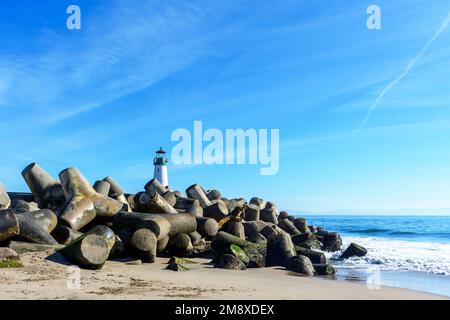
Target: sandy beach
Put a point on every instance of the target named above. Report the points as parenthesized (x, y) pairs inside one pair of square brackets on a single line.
[(42, 278)]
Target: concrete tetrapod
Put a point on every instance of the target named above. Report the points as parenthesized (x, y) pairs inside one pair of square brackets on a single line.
[(268, 215), (197, 192), (89, 251), (261, 203), (222, 241), (256, 252), (353, 250), (235, 228), (152, 202), (143, 245), (229, 261), (217, 211), (34, 230), (250, 228), (181, 245), (257, 238), (251, 212), (106, 233), (5, 201), (84, 203), (116, 192), (45, 218), (185, 203), (195, 238), (102, 187), (214, 195), (300, 264), (279, 250), (47, 191), (155, 185), (92, 249), (137, 220), (9, 226), (207, 227), (315, 256), (288, 226), (162, 225), (22, 206), (301, 225), (268, 231), (21, 247), (170, 198), (324, 269), (196, 210), (64, 235), (162, 244)]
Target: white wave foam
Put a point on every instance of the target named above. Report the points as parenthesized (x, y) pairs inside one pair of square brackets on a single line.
[(401, 255)]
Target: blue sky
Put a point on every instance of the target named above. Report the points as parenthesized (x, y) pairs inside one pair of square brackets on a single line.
[(105, 97)]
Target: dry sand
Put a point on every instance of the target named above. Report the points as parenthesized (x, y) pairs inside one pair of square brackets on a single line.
[(41, 278)]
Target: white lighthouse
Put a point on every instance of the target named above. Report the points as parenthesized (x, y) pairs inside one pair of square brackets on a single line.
[(160, 163)]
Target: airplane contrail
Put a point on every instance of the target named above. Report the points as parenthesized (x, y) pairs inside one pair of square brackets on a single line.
[(410, 65)]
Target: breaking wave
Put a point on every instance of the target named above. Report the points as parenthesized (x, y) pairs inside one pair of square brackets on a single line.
[(389, 254)]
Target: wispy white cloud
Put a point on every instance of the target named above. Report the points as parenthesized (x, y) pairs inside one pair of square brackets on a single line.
[(399, 103), (408, 68), (17, 156), (294, 144), (128, 47)]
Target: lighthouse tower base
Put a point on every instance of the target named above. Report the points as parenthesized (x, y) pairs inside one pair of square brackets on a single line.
[(161, 175)]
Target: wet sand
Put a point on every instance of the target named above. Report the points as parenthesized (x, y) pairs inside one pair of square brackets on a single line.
[(43, 278)]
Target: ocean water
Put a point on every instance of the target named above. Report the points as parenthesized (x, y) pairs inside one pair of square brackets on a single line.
[(410, 252)]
